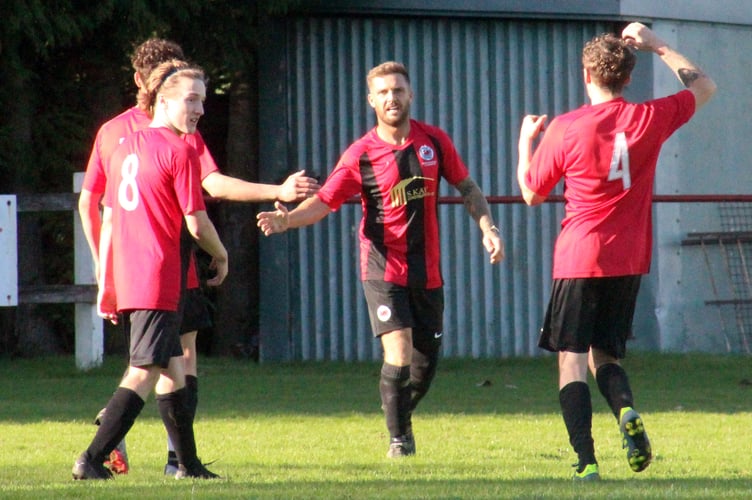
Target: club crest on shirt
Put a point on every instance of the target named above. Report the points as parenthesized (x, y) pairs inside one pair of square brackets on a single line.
[(383, 313), (426, 153), (402, 193)]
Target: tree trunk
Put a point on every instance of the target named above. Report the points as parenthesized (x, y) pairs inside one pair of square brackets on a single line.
[(32, 331), (236, 325)]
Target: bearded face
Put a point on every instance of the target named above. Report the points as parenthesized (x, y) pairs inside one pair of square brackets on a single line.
[(390, 97)]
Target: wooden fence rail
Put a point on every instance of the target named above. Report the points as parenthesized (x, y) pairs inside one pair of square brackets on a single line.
[(83, 293)]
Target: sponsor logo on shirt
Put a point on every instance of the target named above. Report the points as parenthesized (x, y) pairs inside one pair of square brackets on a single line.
[(402, 193), (427, 156), (426, 153)]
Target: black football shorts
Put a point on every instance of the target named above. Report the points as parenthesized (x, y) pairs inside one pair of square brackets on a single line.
[(154, 337), (393, 307), (195, 310), (585, 312)]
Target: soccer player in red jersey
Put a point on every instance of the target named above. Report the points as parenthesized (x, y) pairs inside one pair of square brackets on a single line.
[(153, 188), (396, 168), (146, 57), (196, 316), (606, 152)]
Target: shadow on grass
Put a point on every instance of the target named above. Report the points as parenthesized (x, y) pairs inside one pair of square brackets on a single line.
[(53, 389), (435, 489)]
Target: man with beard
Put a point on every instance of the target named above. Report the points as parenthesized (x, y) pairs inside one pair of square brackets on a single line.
[(396, 168)]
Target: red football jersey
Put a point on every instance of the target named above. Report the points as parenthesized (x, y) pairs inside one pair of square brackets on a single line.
[(399, 188), (607, 156), (113, 133), (153, 182), (109, 137)]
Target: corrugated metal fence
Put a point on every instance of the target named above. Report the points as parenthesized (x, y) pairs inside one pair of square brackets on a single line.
[(475, 78)]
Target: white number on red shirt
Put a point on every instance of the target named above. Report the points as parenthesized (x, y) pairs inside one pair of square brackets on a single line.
[(620, 161), (128, 189)]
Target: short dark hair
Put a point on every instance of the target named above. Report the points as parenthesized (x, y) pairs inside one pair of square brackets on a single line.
[(610, 61)]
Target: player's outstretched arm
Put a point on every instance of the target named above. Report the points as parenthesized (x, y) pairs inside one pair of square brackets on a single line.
[(477, 206), (296, 187), (701, 85), (280, 220)]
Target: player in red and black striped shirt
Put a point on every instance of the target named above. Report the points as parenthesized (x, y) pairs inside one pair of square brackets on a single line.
[(396, 168)]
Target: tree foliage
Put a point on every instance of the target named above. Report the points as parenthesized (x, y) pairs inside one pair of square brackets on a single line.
[(65, 65), (66, 68)]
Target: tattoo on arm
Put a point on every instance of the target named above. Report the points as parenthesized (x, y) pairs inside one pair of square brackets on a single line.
[(473, 198), (687, 76)]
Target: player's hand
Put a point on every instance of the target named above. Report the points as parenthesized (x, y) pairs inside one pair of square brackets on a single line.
[(274, 222), (532, 125), (640, 37), (298, 187), (107, 304), (222, 268), (494, 245)]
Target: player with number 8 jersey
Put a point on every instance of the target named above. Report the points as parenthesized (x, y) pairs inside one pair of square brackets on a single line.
[(169, 186), (153, 188)]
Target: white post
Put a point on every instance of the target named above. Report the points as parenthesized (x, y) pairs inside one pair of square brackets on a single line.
[(89, 326), (8, 251)]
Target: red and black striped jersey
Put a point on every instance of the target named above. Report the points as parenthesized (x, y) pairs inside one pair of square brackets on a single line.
[(398, 187)]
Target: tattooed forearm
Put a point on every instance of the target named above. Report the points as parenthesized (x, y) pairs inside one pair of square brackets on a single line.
[(473, 198), (687, 76)]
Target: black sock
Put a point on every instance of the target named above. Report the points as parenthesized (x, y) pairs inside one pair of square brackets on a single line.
[(191, 390), (121, 411), (422, 372), (394, 387), (577, 410), (179, 424), (614, 385)]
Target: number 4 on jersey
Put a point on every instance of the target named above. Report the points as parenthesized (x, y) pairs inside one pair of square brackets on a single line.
[(620, 161)]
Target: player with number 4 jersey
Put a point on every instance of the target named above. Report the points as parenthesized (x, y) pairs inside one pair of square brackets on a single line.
[(606, 153), (609, 181)]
